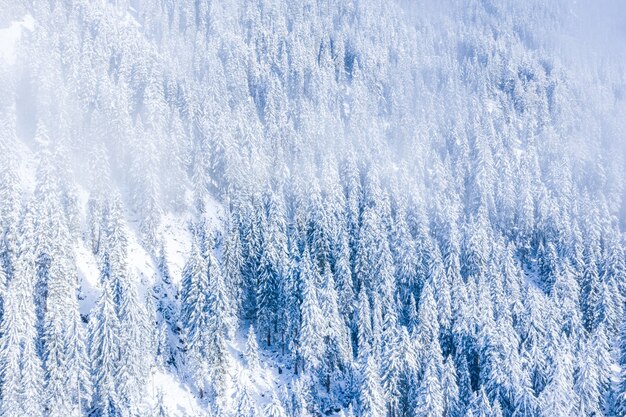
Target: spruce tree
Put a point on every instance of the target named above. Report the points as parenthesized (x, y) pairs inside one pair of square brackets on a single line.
[(104, 349), (311, 334), (371, 399), (252, 351), (274, 408)]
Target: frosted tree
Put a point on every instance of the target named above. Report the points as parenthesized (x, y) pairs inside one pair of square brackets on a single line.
[(252, 350), (311, 335), (220, 324), (245, 406), (194, 314), (32, 383), (104, 349), (558, 398), (20, 365), (371, 397), (429, 399), (274, 408), (364, 326), (79, 372), (160, 410), (115, 245), (428, 317), (392, 369), (404, 252), (450, 388), (590, 292), (620, 394), (134, 358), (269, 275), (233, 263), (337, 352)]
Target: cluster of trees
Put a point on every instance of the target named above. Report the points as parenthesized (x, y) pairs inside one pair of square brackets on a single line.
[(423, 216), (50, 363)]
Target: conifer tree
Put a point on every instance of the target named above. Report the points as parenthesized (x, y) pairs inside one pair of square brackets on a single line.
[(336, 354), (134, 357), (252, 351), (104, 349), (160, 410), (429, 399), (195, 317), (310, 337), (450, 388), (244, 404), (233, 264), (558, 398), (20, 364), (371, 400), (620, 395), (364, 326), (274, 408)]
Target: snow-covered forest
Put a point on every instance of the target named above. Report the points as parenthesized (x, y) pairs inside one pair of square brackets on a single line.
[(306, 208)]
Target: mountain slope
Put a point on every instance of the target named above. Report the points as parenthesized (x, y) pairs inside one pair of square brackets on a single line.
[(413, 208)]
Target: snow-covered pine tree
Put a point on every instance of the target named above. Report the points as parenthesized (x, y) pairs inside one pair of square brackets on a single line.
[(371, 396), (160, 410), (274, 408), (20, 363), (220, 325), (620, 392), (364, 326), (337, 351), (429, 398), (135, 355), (104, 342), (252, 351), (450, 388), (311, 324), (195, 316), (244, 406)]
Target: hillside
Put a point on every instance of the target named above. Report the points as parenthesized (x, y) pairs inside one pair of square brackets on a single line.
[(303, 208)]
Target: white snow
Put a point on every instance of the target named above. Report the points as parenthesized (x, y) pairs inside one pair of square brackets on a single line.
[(10, 36)]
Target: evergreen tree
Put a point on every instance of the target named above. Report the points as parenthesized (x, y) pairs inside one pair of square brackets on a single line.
[(371, 400), (252, 351), (134, 357), (620, 395), (244, 404), (104, 349), (558, 398), (364, 326), (337, 352), (160, 410), (274, 408), (429, 400), (195, 316), (310, 337), (450, 388), (20, 365)]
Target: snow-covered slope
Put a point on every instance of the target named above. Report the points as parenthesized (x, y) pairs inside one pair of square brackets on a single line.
[(413, 208)]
